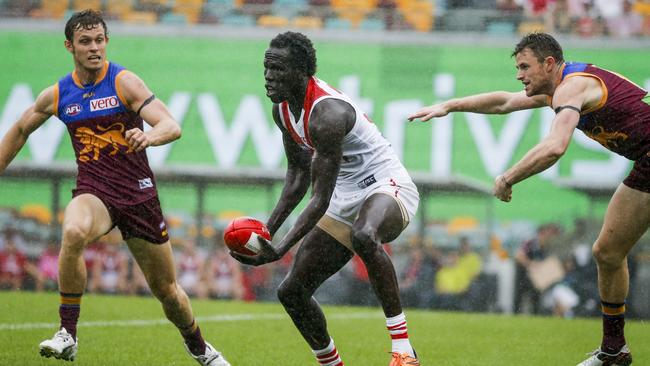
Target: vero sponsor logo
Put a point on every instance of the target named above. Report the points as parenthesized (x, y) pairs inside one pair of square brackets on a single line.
[(72, 109), (103, 103)]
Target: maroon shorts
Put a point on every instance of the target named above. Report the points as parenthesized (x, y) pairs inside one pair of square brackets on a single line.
[(143, 220), (639, 177)]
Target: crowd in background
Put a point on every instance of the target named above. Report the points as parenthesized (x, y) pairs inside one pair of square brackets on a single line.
[(584, 18), (547, 270)]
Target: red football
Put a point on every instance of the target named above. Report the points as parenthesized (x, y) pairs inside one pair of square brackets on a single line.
[(239, 237)]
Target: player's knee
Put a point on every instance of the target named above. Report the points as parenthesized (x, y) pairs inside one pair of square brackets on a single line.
[(606, 256), (75, 235), (364, 241), (165, 293), (290, 294)]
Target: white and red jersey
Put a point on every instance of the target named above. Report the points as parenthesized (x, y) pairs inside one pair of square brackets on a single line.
[(366, 153)]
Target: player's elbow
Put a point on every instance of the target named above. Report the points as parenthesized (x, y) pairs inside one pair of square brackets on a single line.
[(555, 151), (175, 132)]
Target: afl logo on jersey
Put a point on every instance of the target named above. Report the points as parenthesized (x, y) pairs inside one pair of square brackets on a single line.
[(73, 109), (103, 103)]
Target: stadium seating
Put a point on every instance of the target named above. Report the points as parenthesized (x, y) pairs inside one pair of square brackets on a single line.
[(307, 22), (238, 20), (190, 8), (54, 9), (78, 5), (272, 21), (307, 14)]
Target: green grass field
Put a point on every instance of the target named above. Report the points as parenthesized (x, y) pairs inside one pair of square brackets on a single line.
[(132, 331)]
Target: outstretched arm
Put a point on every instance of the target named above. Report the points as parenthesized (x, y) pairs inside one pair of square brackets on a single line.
[(297, 179), (29, 121), (572, 93), (498, 102), (154, 112)]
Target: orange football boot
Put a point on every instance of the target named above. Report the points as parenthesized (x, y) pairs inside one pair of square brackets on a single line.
[(403, 359)]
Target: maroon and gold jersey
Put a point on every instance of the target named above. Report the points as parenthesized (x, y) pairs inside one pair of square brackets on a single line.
[(621, 120), (97, 118)]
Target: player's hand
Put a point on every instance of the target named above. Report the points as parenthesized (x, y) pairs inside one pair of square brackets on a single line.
[(502, 190), (267, 254), (426, 113), (137, 139)]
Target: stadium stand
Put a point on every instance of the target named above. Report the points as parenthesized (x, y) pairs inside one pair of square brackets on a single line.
[(620, 18)]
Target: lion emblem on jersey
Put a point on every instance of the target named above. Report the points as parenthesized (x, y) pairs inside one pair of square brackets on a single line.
[(111, 136), (610, 140)]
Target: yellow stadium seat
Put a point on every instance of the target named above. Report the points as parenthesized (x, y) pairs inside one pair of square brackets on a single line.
[(37, 212), (79, 5), (54, 9), (530, 26), (462, 223), (119, 8), (354, 10), (418, 13), (306, 22), (642, 7), (272, 21), (229, 214), (208, 232), (190, 8), (140, 17)]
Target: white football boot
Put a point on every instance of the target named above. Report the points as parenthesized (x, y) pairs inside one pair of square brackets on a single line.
[(62, 346), (211, 357), (600, 358)]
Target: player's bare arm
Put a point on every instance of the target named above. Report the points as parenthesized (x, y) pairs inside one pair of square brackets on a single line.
[(570, 97), (498, 102), (29, 121), (297, 178), (153, 111), (329, 121), (327, 130)]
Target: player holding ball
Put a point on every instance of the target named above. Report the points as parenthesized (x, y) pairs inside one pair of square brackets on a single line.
[(362, 196)]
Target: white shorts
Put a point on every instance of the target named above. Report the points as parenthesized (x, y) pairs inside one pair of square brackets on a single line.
[(345, 204)]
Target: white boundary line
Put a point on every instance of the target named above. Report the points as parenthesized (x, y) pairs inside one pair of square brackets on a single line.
[(201, 319)]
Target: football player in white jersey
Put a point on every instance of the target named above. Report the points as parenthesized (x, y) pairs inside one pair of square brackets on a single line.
[(362, 197)]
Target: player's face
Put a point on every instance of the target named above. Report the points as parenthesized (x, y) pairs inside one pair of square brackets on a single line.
[(535, 75), (88, 47), (281, 79)]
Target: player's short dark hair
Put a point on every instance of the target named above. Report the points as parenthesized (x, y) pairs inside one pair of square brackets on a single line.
[(86, 19), (542, 45), (301, 49)]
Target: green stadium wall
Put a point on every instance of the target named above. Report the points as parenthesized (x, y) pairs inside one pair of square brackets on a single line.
[(214, 85)]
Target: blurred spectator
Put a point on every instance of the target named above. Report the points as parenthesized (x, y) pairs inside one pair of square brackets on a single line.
[(223, 274), (14, 266), (530, 257), (48, 267), (417, 277), (590, 23), (110, 270), (642, 7), (138, 284), (455, 277), (509, 6), (625, 23), (91, 255), (578, 293), (537, 8), (190, 270), (561, 19), (359, 290)]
